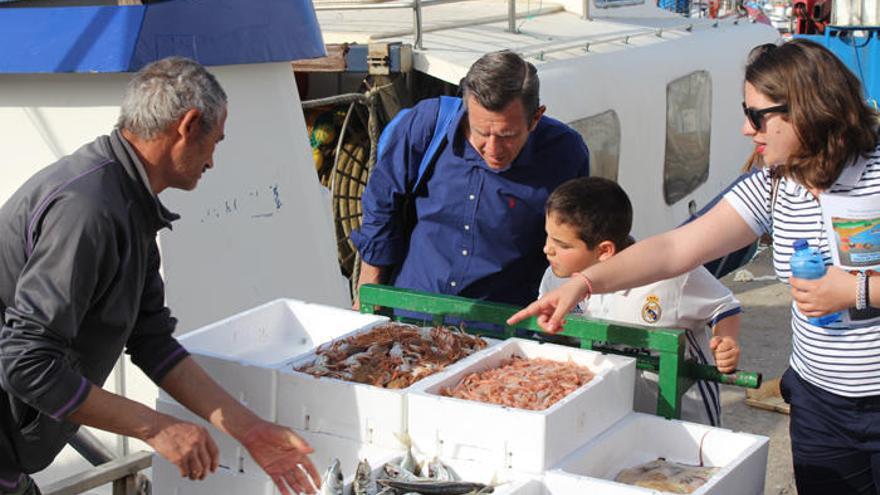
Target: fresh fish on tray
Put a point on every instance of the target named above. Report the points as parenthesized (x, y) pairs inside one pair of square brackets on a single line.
[(363, 483), (667, 476), (435, 487), (331, 482)]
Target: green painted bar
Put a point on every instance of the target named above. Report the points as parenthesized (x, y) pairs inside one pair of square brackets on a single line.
[(675, 373)]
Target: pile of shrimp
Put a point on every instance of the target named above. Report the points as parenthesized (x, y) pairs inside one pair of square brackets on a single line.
[(533, 384), (393, 355)]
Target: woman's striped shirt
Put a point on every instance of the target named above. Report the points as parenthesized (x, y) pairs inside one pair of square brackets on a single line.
[(843, 360)]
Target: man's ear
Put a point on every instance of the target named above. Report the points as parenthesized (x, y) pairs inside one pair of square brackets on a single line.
[(188, 125), (605, 250), (535, 118)]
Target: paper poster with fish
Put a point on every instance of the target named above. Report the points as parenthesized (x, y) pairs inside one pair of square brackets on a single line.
[(852, 226)]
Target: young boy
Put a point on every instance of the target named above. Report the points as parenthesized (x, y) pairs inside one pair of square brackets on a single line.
[(588, 221)]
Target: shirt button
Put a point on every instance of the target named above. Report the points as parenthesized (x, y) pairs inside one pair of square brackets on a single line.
[(452, 283), (467, 227), (471, 197), (464, 252)]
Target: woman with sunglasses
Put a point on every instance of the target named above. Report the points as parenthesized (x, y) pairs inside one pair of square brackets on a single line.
[(813, 133)]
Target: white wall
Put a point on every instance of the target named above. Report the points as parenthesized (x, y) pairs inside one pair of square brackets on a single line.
[(258, 227)]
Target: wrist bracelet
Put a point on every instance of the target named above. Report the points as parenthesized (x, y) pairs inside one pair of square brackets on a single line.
[(861, 291), (587, 281), (867, 290)]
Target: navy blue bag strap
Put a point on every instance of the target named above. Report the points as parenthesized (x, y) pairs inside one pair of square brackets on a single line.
[(449, 106)]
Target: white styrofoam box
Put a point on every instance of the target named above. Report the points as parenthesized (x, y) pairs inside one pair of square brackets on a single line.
[(567, 485), (232, 454), (235, 459), (641, 438), (243, 351), (273, 333), (364, 413), (530, 441), (349, 453), (239, 474), (167, 481)]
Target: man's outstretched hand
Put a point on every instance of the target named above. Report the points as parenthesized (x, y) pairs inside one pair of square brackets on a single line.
[(186, 445), (283, 455)]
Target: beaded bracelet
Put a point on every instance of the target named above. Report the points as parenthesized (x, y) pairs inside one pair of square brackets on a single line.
[(587, 281), (861, 291)]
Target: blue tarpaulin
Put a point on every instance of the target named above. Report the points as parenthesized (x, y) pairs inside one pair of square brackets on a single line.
[(858, 47), (125, 38)]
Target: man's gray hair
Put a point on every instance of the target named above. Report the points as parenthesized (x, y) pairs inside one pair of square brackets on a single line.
[(163, 91), (497, 78)]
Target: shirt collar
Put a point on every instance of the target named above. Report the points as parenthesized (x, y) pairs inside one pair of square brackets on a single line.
[(849, 177), (852, 172), (133, 163)]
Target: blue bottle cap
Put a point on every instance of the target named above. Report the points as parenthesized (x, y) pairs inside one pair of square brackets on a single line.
[(800, 244)]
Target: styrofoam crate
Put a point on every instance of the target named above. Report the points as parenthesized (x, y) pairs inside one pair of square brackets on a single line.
[(364, 413), (167, 481), (242, 473), (235, 458), (567, 485), (273, 333), (243, 351), (518, 439), (641, 438)]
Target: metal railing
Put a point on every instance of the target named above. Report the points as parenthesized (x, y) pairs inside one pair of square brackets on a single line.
[(417, 6), (587, 42), (419, 29), (124, 473)]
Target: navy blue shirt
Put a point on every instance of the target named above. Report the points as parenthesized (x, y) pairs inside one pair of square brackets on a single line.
[(478, 233)]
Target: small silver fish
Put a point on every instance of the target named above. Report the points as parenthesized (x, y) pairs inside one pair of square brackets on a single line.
[(433, 487), (395, 472), (331, 482), (440, 471), (409, 463), (363, 483)]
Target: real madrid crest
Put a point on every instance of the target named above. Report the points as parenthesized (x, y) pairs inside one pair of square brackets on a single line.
[(651, 311)]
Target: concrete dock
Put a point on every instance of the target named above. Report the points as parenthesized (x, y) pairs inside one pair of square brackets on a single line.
[(765, 340)]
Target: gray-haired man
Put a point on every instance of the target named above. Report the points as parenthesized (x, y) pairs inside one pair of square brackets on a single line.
[(79, 282)]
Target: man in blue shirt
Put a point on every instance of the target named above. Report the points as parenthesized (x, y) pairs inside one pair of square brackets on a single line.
[(479, 212)]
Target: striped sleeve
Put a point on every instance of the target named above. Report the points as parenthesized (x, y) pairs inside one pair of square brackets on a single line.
[(751, 199)]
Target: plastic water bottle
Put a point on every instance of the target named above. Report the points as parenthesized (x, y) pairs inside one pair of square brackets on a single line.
[(808, 264)]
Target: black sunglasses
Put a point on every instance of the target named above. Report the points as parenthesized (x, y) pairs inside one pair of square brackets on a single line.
[(756, 117)]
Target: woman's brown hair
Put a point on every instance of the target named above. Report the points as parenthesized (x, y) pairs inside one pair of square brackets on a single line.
[(825, 106)]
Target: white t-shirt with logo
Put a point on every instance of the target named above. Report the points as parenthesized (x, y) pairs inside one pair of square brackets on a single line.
[(695, 302)]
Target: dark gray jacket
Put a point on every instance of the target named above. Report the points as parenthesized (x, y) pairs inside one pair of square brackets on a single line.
[(79, 281)]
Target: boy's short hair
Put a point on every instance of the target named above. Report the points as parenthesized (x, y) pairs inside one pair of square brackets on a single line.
[(598, 208)]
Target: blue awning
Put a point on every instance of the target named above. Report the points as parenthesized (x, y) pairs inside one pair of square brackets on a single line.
[(125, 38)]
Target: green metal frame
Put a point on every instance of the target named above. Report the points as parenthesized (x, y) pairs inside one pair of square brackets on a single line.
[(675, 373)]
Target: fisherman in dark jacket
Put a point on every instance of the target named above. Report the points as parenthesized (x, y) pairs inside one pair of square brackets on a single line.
[(80, 283)]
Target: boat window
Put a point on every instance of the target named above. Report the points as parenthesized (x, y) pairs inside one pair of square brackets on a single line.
[(602, 134), (688, 127)]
